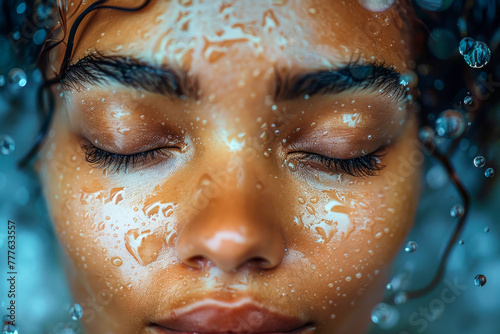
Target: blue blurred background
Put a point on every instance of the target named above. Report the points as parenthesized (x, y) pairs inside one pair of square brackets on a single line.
[(44, 300)]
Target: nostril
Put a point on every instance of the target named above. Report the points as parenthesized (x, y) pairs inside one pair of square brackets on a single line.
[(260, 263), (196, 262)]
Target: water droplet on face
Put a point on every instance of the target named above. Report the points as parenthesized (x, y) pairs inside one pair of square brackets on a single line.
[(486, 229), (388, 286), (480, 280), (490, 172), (479, 56), (7, 145), (461, 242), (465, 46), (376, 5), (76, 312), (479, 161), (450, 124), (116, 261), (457, 211), (411, 247), (384, 315), (17, 78)]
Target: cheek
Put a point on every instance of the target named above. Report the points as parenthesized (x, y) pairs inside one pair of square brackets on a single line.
[(109, 229)]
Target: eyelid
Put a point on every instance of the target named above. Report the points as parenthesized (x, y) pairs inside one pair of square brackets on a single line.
[(102, 159)]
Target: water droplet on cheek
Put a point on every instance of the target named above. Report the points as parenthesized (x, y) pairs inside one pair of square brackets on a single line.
[(116, 261), (411, 247), (479, 161)]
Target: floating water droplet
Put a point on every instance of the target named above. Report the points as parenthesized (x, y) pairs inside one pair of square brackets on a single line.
[(490, 172), (17, 78), (450, 124), (384, 315), (457, 211), (486, 229), (7, 145), (376, 5), (411, 247), (426, 134), (466, 45), (76, 312), (9, 328), (479, 56), (468, 100), (479, 161), (400, 298), (480, 280), (461, 242)]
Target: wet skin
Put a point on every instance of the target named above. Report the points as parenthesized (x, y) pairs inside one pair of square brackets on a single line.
[(231, 205)]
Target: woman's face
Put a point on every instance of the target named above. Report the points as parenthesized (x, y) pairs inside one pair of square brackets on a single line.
[(230, 148)]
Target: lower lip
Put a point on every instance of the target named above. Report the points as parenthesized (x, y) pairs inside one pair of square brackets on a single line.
[(307, 329)]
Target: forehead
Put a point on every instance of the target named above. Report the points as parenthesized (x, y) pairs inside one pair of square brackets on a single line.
[(196, 34)]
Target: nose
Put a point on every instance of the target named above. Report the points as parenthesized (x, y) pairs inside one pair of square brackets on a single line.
[(231, 231)]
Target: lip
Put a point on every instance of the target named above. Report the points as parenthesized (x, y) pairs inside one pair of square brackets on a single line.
[(246, 316)]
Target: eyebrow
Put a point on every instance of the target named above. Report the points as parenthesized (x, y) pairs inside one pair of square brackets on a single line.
[(97, 68), (375, 77)]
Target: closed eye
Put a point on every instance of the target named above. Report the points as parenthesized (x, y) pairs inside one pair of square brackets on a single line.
[(363, 166), (99, 158)]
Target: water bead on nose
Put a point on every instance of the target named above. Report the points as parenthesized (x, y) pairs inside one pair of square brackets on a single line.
[(7, 145), (480, 280), (479, 161), (411, 247), (76, 312), (457, 211), (490, 172), (450, 124), (466, 46), (17, 78), (479, 56)]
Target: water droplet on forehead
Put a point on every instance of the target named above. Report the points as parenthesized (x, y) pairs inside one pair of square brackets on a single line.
[(76, 312), (17, 78), (411, 247), (479, 161), (457, 211), (450, 124), (376, 5), (7, 145), (490, 172), (480, 280), (479, 56)]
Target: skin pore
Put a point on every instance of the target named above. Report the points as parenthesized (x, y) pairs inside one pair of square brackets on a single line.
[(245, 191)]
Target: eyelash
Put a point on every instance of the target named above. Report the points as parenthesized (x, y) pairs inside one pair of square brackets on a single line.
[(99, 158), (363, 166)]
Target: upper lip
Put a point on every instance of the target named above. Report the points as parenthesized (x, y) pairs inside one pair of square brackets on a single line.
[(245, 316)]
